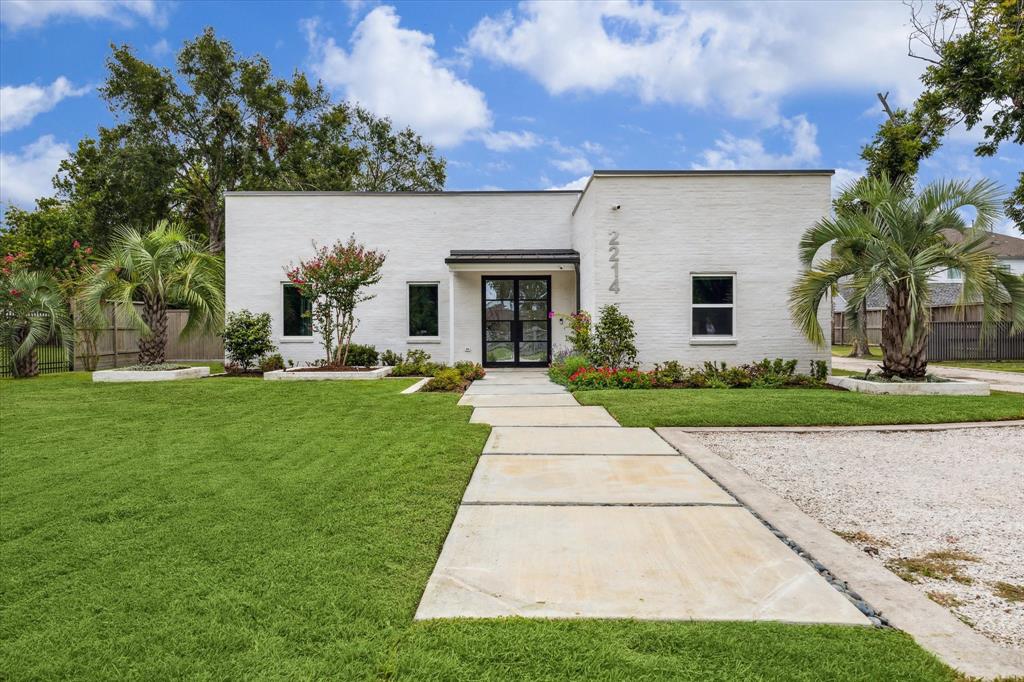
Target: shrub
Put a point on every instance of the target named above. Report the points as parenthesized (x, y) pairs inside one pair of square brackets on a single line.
[(819, 370), (247, 338), (446, 380), (360, 355), (390, 358), (271, 363), (580, 336), (591, 378), (416, 364), (560, 373), (471, 371), (614, 341)]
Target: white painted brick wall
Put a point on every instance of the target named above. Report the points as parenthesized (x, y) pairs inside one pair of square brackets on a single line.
[(670, 227)]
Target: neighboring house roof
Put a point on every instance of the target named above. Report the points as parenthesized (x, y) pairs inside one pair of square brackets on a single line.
[(942, 294), (1001, 245)]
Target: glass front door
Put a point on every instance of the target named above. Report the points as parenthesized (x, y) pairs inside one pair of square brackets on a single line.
[(517, 329)]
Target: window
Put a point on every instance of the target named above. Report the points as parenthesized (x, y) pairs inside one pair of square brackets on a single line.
[(713, 307), (423, 309), (297, 313)]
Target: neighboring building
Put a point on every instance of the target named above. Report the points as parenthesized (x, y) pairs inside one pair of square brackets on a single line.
[(702, 261)]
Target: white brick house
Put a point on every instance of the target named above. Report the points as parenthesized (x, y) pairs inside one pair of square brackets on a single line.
[(701, 260)]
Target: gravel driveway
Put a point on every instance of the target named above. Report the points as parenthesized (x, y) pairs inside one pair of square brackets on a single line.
[(927, 503)]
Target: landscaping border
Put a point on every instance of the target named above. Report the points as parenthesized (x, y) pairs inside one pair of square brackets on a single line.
[(950, 387), (116, 376), (293, 375)]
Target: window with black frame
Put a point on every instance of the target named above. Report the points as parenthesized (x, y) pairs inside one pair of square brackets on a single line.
[(713, 305), (423, 309), (297, 312)]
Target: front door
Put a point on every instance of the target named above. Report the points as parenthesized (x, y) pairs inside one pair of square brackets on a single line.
[(517, 329)]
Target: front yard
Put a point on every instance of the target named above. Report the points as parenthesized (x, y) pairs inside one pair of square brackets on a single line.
[(795, 407), (236, 528), (841, 351)]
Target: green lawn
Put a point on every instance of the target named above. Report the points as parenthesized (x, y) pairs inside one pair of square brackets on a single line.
[(795, 407), (841, 351), (236, 528)]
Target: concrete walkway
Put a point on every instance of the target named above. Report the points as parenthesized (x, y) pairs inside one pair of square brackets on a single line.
[(569, 515), (1012, 382)]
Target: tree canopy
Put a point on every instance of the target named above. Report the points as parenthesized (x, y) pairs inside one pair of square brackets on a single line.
[(219, 122)]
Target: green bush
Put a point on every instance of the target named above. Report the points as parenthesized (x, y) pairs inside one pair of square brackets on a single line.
[(471, 371), (271, 363), (362, 356), (614, 339), (560, 372), (390, 358), (449, 379), (247, 338), (416, 364)]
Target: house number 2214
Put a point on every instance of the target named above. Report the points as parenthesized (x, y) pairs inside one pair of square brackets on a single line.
[(613, 258)]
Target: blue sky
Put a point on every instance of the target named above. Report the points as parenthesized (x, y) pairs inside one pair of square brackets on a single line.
[(515, 95)]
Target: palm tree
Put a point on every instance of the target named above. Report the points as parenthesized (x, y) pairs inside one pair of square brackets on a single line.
[(32, 313), (156, 268), (900, 245)]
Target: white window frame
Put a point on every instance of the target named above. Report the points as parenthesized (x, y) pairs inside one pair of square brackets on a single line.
[(408, 313), (713, 339), (280, 306)]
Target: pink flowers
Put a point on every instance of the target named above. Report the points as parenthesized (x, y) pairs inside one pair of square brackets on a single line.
[(76, 244), (15, 292)]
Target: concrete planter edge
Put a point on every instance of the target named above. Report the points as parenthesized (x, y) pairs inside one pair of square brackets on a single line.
[(952, 387), (131, 376), (293, 375)]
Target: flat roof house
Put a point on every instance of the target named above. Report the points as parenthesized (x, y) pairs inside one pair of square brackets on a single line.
[(702, 261)]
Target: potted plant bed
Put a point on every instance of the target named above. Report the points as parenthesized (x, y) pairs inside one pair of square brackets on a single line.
[(328, 373), (873, 383), (162, 372)]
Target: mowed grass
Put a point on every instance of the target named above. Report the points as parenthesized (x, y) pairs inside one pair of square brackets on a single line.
[(241, 529), (795, 407), (841, 351)]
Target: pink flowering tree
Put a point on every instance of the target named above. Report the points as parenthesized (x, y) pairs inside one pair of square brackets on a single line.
[(336, 280)]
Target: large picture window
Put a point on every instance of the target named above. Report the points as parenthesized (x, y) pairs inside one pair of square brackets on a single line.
[(297, 313), (713, 305), (423, 309)]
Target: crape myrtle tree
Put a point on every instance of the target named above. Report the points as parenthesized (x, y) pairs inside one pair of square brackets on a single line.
[(335, 280), (159, 267), (217, 122), (901, 240)]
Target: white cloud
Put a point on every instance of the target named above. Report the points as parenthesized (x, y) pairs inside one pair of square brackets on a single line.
[(17, 14), (843, 178), (27, 175), (743, 57), (19, 104), (578, 183), (505, 140), (749, 153), (396, 72), (160, 48)]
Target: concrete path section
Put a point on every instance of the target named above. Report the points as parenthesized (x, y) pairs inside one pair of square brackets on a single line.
[(548, 400), (661, 563), (568, 521), (584, 479), (569, 440), (497, 388), (543, 416), (1012, 382)]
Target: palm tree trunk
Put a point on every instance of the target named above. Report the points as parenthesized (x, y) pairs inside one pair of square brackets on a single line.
[(153, 346), (27, 366), (861, 349), (907, 363)]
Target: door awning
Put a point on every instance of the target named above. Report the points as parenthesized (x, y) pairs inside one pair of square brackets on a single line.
[(513, 256)]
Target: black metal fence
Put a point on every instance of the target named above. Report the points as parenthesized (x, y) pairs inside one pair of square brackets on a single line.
[(962, 341), (50, 359)]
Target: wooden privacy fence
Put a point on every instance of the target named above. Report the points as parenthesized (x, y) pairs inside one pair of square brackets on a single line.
[(117, 341), (955, 335)]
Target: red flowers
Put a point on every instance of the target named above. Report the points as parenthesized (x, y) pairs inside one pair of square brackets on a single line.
[(15, 293), (76, 244)]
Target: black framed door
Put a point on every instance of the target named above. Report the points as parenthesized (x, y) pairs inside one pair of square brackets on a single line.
[(516, 324)]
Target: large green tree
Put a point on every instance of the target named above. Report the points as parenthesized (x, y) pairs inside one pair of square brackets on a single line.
[(974, 51), (46, 236), (220, 122)]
